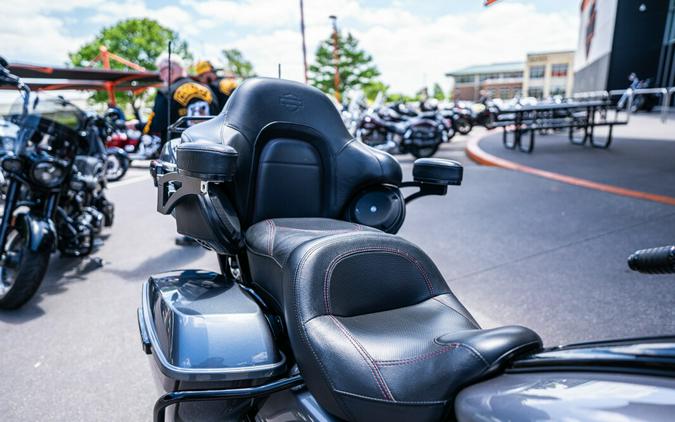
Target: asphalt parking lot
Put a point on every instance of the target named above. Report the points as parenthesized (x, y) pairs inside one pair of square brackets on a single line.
[(515, 248)]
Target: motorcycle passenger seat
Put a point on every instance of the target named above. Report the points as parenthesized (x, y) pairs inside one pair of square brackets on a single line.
[(377, 333), (270, 242)]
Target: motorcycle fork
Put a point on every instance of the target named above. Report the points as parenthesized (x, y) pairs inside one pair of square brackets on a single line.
[(10, 204)]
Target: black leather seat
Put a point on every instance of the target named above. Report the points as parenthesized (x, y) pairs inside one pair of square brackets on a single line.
[(270, 242), (377, 333)]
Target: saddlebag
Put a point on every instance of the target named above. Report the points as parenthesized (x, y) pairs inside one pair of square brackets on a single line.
[(204, 331)]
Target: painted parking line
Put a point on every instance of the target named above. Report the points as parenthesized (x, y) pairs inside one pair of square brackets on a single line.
[(474, 152)]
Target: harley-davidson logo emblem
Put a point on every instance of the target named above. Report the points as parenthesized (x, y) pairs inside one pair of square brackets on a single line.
[(590, 28), (291, 102)]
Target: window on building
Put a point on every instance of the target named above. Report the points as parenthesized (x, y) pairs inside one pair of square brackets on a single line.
[(504, 93), (513, 75), (559, 70), (535, 92), (464, 79), (537, 72)]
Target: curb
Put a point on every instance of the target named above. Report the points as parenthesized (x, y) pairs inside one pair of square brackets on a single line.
[(474, 152)]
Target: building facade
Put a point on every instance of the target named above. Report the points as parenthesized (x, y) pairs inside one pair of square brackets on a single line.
[(665, 75), (501, 80), (617, 38), (549, 74)]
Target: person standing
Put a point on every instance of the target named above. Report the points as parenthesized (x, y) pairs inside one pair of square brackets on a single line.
[(187, 97), (222, 87)]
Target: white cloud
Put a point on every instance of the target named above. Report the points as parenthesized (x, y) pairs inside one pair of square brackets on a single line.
[(409, 49), (28, 34)]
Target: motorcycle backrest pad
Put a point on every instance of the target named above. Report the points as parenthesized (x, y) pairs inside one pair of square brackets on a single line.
[(295, 156), (207, 161)]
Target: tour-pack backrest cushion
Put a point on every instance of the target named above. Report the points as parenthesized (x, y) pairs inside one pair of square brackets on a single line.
[(264, 109)]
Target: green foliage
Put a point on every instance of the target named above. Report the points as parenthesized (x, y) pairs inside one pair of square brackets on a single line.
[(237, 64), (437, 92), (140, 41), (356, 68), (397, 97), (375, 88)]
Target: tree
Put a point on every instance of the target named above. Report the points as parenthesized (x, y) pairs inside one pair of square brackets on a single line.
[(398, 97), (375, 88), (356, 68), (141, 41), (237, 64), (437, 92)]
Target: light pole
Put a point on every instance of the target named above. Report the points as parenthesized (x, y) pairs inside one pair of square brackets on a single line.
[(336, 58), (302, 31)]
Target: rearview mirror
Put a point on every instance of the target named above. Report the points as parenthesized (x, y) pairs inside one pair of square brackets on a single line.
[(3, 62), (438, 171)]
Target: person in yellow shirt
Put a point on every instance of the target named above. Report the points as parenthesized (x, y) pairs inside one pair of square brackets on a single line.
[(188, 98), (222, 87)]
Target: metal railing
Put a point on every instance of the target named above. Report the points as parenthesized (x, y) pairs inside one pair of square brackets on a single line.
[(665, 93)]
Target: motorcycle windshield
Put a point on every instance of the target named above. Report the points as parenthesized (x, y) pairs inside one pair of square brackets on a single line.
[(51, 122)]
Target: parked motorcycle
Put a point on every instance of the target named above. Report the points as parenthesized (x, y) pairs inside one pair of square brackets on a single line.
[(640, 102), (485, 114), (53, 199), (460, 118), (134, 145), (320, 312), (386, 129)]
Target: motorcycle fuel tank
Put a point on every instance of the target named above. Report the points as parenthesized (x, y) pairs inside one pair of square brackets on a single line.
[(568, 396)]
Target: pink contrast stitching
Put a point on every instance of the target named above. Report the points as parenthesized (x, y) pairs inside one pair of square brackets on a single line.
[(419, 358), (384, 389), (337, 259)]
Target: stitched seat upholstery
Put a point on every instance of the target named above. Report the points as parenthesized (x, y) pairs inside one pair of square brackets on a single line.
[(269, 242), (377, 333)]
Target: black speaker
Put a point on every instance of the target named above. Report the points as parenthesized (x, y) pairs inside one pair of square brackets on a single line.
[(381, 207)]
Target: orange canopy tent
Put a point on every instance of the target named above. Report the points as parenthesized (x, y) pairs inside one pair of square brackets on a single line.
[(48, 78)]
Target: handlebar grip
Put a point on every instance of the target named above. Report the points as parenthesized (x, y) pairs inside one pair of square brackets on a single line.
[(653, 261)]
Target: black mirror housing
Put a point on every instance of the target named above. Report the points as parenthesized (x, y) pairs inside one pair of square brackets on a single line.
[(438, 171), (207, 161)]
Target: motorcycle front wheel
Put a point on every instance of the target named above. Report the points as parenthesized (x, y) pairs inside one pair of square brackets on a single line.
[(21, 272), (423, 152), (464, 126), (116, 167)]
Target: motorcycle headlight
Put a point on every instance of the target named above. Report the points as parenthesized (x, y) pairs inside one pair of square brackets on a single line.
[(48, 174), (12, 164)]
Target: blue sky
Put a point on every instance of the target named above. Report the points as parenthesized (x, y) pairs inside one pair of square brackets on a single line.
[(413, 42)]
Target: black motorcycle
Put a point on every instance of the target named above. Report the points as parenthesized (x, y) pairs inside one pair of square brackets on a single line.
[(50, 201), (485, 114), (321, 313), (460, 118), (387, 129)]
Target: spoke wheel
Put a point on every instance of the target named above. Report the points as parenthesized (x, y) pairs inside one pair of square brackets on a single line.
[(13, 255), (116, 167), (21, 272)]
